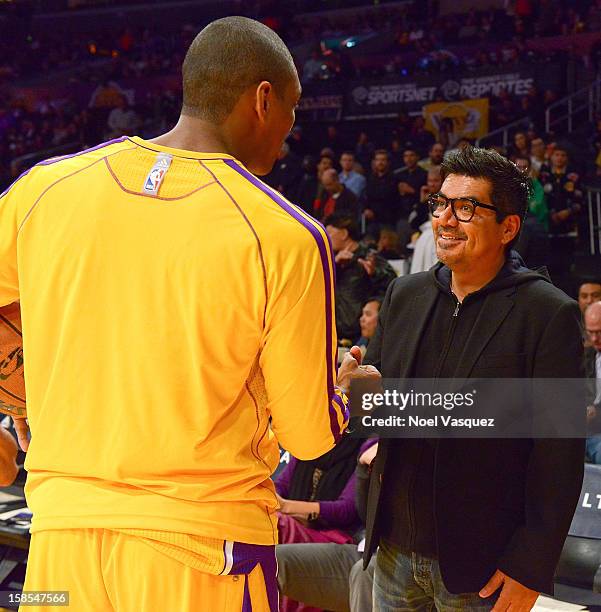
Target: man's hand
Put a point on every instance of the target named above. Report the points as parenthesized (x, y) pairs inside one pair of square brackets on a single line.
[(351, 368), (591, 413), (513, 594), (22, 429), (369, 264), (405, 189), (343, 257), (369, 214)]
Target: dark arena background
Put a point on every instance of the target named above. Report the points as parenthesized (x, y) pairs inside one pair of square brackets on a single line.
[(388, 88)]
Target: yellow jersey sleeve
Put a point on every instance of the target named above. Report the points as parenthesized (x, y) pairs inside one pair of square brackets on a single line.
[(9, 225), (298, 351)]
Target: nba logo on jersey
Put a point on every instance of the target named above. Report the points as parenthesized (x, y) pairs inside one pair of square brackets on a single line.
[(155, 177)]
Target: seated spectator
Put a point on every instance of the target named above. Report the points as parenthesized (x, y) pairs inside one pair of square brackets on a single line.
[(351, 179), (537, 204), (304, 193), (285, 172), (317, 501), (330, 576), (369, 321), (382, 203), (537, 155), (335, 197), (435, 157), (312, 67), (424, 251), (364, 149), (592, 367), (122, 120), (360, 273), (589, 292), (388, 245), (520, 146), (411, 179), (420, 137)]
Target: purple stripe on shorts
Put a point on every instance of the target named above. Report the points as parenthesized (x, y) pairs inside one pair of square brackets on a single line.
[(326, 272), (246, 558), (247, 605)]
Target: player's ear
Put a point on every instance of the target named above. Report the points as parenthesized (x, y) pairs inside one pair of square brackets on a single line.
[(263, 95)]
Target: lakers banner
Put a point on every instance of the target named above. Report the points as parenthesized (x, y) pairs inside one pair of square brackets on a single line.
[(461, 119)]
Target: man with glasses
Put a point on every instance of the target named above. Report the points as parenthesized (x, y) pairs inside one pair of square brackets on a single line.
[(473, 524)]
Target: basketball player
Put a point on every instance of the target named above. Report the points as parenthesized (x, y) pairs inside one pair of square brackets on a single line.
[(177, 321)]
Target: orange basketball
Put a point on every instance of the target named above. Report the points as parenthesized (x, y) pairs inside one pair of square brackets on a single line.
[(12, 381)]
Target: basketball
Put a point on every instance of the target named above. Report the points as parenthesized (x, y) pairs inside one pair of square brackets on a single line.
[(12, 381)]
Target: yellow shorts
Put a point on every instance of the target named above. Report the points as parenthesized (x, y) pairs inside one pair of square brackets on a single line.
[(106, 571)]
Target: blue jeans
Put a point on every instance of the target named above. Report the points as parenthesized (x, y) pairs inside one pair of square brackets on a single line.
[(593, 449), (404, 583)]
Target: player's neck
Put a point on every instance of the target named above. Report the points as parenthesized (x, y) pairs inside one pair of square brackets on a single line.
[(192, 134)]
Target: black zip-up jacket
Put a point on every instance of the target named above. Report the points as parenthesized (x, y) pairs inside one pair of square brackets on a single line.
[(495, 503)]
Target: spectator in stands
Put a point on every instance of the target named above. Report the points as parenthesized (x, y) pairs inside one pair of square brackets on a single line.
[(420, 137), (332, 140), (298, 144), (520, 146), (589, 292), (382, 204), (122, 120), (330, 576), (369, 320), (537, 155), (564, 199), (435, 157), (410, 181), (424, 252), (364, 150), (317, 501), (537, 205), (286, 171), (360, 273), (388, 245), (351, 179), (305, 192), (335, 198), (592, 365), (396, 154), (312, 67)]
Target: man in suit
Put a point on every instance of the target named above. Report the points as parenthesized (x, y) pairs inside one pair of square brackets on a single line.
[(592, 370), (473, 524)]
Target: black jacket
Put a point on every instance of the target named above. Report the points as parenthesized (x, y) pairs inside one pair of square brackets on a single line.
[(498, 503)]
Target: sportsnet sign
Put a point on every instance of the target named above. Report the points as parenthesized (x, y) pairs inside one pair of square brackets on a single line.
[(385, 97)]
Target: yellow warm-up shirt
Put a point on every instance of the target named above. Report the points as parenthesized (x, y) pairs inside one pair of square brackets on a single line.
[(177, 320)]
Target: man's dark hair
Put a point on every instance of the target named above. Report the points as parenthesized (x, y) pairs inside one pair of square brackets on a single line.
[(381, 152), (225, 59), (510, 188), (344, 222), (589, 281), (348, 153), (375, 298), (410, 149)]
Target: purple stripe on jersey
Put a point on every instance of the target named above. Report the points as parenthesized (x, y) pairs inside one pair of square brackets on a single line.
[(326, 272), (246, 558), (15, 182), (53, 160), (344, 410)]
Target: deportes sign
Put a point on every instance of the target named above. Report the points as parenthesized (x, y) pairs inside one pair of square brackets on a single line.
[(384, 98)]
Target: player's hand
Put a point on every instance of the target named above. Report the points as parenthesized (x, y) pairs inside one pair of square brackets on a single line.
[(22, 429), (513, 594), (351, 368), (343, 257)]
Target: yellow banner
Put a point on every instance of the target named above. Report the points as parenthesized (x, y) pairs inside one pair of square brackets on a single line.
[(461, 119)]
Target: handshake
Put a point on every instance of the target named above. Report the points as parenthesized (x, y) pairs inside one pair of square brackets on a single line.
[(351, 368)]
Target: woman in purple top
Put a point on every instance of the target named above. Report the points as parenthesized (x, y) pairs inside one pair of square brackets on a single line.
[(317, 497)]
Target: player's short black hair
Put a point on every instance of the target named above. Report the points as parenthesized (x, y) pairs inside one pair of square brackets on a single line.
[(226, 58), (346, 222)]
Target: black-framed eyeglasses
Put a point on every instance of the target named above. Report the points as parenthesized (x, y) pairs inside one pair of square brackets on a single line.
[(463, 209)]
